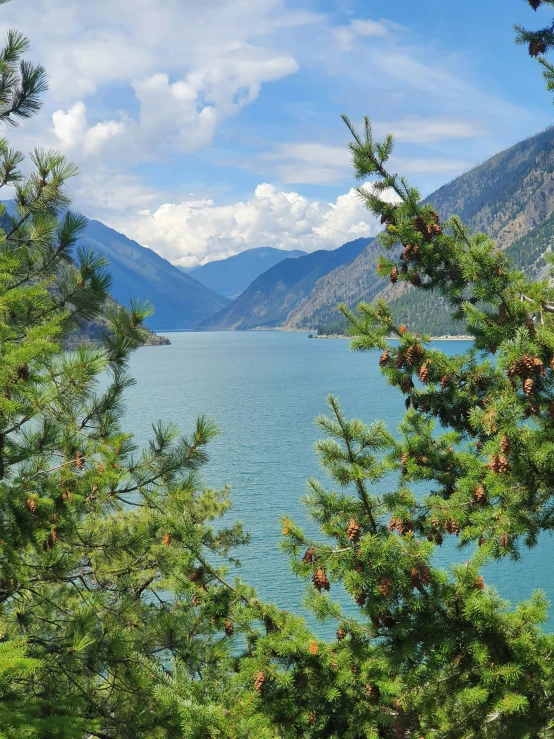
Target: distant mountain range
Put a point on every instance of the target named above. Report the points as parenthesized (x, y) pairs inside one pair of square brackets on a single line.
[(268, 300), (231, 276), (510, 197), (180, 301)]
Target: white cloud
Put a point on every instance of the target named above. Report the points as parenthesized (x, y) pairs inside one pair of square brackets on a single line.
[(419, 130), (196, 231), (346, 36)]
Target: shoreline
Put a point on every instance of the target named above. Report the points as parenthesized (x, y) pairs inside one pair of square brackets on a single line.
[(433, 338)]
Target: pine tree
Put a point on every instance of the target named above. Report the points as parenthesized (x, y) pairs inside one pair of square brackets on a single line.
[(432, 652), (113, 586), (539, 42)]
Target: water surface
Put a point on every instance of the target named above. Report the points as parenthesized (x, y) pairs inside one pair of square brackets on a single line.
[(264, 389)]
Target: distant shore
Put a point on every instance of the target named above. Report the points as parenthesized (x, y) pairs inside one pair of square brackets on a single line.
[(433, 338)]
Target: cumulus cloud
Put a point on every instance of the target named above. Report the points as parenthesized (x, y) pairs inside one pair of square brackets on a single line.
[(197, 231)]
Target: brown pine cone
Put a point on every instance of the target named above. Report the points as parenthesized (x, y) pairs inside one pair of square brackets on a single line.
[(452, 527), (166, 541), (320, 580), (308, 557), (505, 444), (480, 583), (503, 465), (406, 385), (394, 275), (384, 359), (372, 691), (402, 330), (415, 577), (415, 279), (504, 540), (502, 314), (445, 381), (400, 361), (527, 363), (385, 587), (31, 505), (424, 373), (481, 541), (79, 460), (313, 719), (493, 465), (341, 634), (479, 494), (353, 531), (425, 574), (259, 681), (229, 627), (361, 598), (537, 47)]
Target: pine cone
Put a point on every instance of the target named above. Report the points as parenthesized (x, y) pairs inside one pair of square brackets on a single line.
[(502, 314), (480, 583), (385, 587), (504, 540), (400, 360), (406, 385), (503, 465), (79, 460), (353, 531), (394, 275), (361, 598), (384, 359), (505, 444), (481, 541), (313, 719), (479, 494), (538, 365), (402, 330), (445, 381), (313, 647), (537, 47), (229, 627), (320, 580), (372, 691), (31, 505), (493, 465), (415, 578), (527, 363), (415, 279), (341, 634), (392, 524), (425, 574), (424, 373), (259, 681), (452, 527), (166, 541), (308, 557)]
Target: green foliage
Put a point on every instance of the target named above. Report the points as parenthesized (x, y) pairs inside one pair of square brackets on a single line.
[(432, 652)]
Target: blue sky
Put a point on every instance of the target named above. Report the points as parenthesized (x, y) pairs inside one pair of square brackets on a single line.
[(205, 127)]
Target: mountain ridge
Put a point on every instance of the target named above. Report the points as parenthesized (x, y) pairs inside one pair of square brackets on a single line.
[(231, 276), (269, 299)]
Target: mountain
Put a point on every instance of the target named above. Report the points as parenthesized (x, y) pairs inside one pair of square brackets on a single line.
[(231, 276), (269, 299), (180, 301), (510, 197)]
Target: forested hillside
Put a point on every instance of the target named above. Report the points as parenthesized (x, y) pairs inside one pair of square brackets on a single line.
[(267, 302), (510, 197)]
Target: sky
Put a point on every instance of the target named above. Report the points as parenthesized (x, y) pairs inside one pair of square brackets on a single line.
[(206, 127)]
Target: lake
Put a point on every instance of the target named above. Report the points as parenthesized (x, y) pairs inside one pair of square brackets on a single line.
[(264, 389)]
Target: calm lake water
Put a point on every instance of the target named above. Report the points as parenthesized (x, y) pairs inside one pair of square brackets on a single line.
[(264, 389)]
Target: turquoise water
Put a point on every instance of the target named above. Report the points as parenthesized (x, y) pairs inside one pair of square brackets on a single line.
[(264, 389)]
